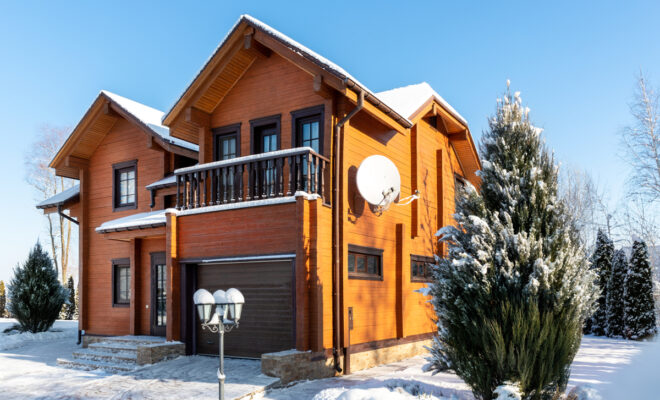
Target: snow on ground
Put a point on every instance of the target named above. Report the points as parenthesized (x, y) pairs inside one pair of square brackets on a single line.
[(616, 369), (14, 339)]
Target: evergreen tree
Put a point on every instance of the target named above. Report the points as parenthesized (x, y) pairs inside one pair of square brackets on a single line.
[(615, 302), (71, 302), (601, 263), (638, 295), (3, 299), (513, 292), (36, 295)]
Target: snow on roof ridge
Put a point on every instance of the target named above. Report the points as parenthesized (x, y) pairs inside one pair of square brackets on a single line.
[(149, 116), (407, 99), (295, 46)]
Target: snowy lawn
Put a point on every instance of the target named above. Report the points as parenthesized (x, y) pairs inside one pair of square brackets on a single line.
[(617, 369)]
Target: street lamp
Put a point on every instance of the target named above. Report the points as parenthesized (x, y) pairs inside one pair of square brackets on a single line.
[(228, 308)]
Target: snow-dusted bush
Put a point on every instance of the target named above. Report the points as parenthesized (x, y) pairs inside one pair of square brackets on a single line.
[(508, 391), (513, 292), (638, 294), (36, 295), (615, 294)]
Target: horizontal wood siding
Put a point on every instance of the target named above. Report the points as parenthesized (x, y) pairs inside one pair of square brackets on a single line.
[(124, 142)]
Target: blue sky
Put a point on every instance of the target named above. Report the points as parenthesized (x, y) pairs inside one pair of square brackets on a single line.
[(574, 62)]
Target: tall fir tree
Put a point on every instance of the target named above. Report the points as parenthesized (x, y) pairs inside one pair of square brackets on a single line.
[(601, 263), (36, 295), (3, 300), (615, 295), (638, 295), (512, 294)]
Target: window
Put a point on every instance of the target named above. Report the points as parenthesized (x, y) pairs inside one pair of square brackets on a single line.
[(365, 263), (226, 142), (308, 132), (121, 282), (124, 187), (266, 138), (420, 268)]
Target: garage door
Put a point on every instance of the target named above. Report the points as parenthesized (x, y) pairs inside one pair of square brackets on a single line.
[(267, 321)]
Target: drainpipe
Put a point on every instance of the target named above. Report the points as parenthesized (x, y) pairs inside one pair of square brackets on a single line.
[(61, 213), (336, 219)]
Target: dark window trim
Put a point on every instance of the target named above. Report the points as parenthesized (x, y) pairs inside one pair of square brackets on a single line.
[(370, 251), (119, 262), (425, 259), (115, 193), (305, 113), (259, 122), (227, 130)]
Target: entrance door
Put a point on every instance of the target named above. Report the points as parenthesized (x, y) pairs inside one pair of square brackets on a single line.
[(158, 294)]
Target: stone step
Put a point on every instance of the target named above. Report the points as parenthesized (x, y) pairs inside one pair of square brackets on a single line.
[(142, 340), (126, 357), (90, 365), (114, 347)]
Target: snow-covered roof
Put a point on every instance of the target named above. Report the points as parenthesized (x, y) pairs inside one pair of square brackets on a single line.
[(143, 220), (150, 117), (61, 198), (408, 99), (302, 50), (165, 182)]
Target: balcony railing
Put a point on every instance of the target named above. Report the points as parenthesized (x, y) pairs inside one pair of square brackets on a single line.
[(279, 173)]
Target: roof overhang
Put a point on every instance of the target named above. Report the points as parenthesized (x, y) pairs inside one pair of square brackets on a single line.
[(98, 120), (247, 41)]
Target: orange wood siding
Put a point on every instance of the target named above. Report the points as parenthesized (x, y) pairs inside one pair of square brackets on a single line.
[(124, 142), (270, 86)]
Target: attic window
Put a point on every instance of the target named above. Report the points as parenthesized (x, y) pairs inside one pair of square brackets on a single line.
[(125, 185)]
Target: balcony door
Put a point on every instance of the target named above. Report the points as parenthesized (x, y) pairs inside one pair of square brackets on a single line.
[(265, 138), (226, 145)]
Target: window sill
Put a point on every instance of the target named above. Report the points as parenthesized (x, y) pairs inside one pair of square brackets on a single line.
[(121, 305), (125, 207), (365, 278)]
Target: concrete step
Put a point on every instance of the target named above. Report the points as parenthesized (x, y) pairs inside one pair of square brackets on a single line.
[(126, 357), (90, 365), (142, 340), (114, 347)]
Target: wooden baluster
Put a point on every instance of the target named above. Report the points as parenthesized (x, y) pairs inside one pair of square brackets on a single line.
[(280, 177), (308, 178), (240, 183), (322, 185), (178, 196), (298, 172), (189, 183), (290, 185), (202, 182), (316, 174), (224, 185)]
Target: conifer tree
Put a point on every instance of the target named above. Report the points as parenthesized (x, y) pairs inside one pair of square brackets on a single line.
[(3, 299), (615, 302), (638, 295), (71, 301), (601, 263), (513, 292), (36, 295)]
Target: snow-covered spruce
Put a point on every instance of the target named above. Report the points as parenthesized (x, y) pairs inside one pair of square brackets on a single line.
[(638, 295), (615, 294), (35, 294), (512, 294), (601, 263)]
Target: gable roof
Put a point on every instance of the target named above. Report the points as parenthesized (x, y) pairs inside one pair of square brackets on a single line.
[(408, 100), (61, 198), (100, 117), (321, 62)]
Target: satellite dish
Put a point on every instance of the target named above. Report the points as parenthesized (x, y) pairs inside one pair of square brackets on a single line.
[(378, 181)]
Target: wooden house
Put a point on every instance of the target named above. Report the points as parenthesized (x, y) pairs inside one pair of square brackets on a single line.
[(248, 181)]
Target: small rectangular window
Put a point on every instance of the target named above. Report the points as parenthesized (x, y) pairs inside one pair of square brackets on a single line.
[(365, 263), (125, 186), (420, 268), (121, 282)]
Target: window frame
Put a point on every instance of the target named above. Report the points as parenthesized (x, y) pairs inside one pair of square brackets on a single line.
[(233, 130), (425, 259), (367, 252), (116, 265), (255, 124), (305, 113), (116, 171)]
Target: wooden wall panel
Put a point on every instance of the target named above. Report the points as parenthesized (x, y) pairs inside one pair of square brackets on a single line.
[(124, 142)]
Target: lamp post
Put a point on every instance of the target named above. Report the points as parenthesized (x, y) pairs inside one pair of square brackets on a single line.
[(228, 308)]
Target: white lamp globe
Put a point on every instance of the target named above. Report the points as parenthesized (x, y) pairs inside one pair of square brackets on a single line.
[(236, 301), (221, 303), (204, 301)]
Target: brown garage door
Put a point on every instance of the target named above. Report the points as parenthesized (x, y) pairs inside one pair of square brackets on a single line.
[(266, 324)]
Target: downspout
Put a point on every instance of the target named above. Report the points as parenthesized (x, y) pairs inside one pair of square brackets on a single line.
[(336, 221), (61, 213)]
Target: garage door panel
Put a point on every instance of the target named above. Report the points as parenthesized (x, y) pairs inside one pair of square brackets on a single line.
[(267, 320)]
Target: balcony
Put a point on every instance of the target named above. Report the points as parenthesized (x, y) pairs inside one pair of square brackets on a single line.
[(277, 174)]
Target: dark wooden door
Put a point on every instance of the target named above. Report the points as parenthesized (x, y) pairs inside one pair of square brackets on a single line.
[(158, 294), (267, 322)]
